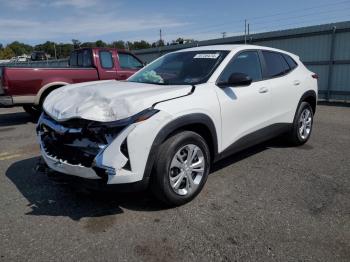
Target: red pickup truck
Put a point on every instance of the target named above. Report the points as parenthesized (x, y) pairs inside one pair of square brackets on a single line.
[(28, 86)]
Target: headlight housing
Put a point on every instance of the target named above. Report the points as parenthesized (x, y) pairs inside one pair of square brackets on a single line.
[(107, 131)]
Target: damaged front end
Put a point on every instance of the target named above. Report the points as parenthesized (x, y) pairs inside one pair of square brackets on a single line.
[(89, 149)]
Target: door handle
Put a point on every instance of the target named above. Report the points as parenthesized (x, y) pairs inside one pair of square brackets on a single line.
[(296, 82), (263, 90)]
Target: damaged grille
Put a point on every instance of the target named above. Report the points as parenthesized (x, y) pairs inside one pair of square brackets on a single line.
[(74, 141)]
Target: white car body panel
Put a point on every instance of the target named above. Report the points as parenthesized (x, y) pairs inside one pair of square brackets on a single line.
[(234, 111), (105, 101), (236, 107), (194, 104)]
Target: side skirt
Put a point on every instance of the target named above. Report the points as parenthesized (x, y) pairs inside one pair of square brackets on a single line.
[(254, 138)]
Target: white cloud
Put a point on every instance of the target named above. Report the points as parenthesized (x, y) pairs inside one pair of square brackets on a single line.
[(20, 4), (85, 27), (25, 4), (88, 20), (75, 3)]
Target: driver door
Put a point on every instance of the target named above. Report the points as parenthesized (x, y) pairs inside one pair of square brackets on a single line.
[(244, 109)]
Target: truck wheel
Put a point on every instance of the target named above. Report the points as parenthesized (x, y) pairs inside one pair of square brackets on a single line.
[(34, 111), (302, 125), (182, 168)]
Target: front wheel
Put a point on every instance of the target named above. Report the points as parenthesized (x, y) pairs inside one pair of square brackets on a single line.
[(32, 110), (302, 125), (181, 169)]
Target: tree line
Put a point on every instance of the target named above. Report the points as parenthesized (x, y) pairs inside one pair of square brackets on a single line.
[(63, 50)]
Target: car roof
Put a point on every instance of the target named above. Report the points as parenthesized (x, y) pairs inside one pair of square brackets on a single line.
[(229, 47)]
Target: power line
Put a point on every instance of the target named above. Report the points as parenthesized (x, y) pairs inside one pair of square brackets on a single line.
[(304, 19), (240, 21), (301, 16), (290, 18), (295, 24)]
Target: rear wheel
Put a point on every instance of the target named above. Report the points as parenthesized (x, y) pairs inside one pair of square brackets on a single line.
[(181, 169), (35, 110), (302, 126)]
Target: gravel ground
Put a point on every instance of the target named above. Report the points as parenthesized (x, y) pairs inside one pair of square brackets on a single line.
[(269, 203)]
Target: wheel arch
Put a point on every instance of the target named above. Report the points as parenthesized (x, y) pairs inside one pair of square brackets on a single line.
[(310, 97), (46, 89), (200, 123)]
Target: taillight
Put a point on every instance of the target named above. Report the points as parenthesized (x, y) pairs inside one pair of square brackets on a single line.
[(315, 76)]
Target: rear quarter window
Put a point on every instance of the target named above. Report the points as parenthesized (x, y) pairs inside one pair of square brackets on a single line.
[(292, 64)]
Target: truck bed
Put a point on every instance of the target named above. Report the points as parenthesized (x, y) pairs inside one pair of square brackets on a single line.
[(27, 81)]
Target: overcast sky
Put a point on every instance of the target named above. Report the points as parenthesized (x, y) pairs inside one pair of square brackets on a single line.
[(35, 21)]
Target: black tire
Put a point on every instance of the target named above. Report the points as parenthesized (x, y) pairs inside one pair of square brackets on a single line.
[(35, 110), (295, 136), (32, 110), (160, 181)]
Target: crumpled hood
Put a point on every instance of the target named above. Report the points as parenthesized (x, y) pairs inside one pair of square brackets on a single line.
[(107, 100)]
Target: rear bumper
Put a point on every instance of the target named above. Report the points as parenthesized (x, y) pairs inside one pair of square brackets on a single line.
[(6, 101)]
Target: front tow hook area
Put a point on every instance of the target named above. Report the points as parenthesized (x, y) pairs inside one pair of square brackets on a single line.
[(42, 168)]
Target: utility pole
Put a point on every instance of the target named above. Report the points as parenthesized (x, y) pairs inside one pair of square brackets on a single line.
[(245, 31), (54, 47), (248, 31), (223, 34), (160, 36)]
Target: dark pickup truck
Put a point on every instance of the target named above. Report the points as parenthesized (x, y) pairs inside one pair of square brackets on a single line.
[(28, 86)]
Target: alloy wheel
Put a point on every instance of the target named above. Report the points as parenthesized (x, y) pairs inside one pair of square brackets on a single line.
[(186, 169), (305, 123)]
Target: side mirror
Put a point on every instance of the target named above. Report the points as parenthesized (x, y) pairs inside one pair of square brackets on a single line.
[(237, 79)]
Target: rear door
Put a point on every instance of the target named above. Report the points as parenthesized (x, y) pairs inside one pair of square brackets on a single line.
[(128, 65), (282, 83), (244, 109)]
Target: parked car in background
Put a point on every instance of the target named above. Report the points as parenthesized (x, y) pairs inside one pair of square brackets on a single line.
[(170, 121), (28, 86), (38, 56), (22, 58)]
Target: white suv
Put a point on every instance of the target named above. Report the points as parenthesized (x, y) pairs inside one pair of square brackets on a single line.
[(169, 122)]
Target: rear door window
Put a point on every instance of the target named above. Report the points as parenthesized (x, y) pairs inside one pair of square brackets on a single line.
[(106, 59), (276, 65)]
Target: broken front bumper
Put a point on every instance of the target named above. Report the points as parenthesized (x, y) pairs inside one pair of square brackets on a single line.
[(67, 150)]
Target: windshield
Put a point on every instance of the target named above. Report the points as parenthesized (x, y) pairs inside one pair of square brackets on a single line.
[(182, 68)]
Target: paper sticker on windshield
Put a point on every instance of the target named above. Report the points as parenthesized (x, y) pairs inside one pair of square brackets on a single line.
[(206, 56)]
